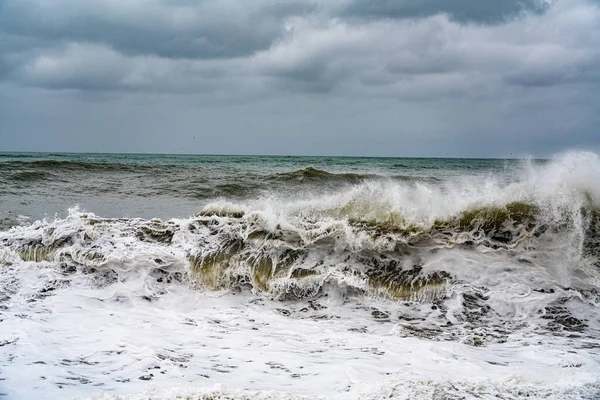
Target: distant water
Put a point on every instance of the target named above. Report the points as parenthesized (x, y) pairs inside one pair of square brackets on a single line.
[(156, 276), (41, 185)]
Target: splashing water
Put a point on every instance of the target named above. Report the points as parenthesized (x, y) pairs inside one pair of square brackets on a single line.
[(351, 283)]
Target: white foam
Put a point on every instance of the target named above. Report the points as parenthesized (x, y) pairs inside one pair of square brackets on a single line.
[(115, 328), (91, 342)]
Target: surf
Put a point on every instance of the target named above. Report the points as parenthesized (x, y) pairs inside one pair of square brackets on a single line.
[(484, 261)]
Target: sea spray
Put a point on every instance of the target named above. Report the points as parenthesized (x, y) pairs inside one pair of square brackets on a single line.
[(407, 284)]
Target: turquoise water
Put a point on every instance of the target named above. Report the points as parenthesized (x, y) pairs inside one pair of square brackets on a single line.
[(267, 163)]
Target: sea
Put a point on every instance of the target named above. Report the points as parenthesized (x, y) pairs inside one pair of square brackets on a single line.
[(129, 276)]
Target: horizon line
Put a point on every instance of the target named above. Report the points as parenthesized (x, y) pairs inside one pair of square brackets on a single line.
[(265, 155)]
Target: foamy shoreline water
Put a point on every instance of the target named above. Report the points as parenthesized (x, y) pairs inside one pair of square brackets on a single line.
[(481, 282)]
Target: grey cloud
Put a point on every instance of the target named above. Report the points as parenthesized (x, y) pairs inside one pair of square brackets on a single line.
[(205, 29), (436, 55), (304, 52), (15, 51), (295, 124), (586, 71), (538, 78), (84, 66), (460, 10), (266, 76)]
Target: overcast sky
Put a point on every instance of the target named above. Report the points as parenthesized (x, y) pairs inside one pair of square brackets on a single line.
[(306, 77)]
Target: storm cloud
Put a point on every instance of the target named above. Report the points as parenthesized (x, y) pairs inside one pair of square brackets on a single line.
[(381, 77)]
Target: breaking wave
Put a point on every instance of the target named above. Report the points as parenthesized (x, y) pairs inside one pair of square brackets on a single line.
[(399, 280), (411, 242), (227, 246)]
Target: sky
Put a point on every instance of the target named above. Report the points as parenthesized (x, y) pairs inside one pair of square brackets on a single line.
[(453, 78)]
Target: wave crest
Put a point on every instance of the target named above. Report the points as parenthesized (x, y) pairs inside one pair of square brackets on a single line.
[(230, 247)]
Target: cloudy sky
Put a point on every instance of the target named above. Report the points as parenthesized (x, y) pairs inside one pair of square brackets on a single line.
[(315, 77)]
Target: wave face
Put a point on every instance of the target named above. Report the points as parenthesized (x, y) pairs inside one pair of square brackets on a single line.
[(480, 255)]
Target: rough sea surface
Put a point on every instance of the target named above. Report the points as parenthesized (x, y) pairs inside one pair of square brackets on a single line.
[(233, 277)]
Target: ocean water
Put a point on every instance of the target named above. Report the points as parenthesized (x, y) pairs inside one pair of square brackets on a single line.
[(160, 277)]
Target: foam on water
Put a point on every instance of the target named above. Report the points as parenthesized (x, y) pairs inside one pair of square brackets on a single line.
[(475, 287)]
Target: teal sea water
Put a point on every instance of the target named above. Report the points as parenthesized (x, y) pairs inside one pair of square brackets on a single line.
[(157, 276), (40, 185)]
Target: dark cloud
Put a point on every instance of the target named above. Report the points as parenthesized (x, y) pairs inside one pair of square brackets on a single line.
[(267, 74), (172, 29), (218, 45)]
